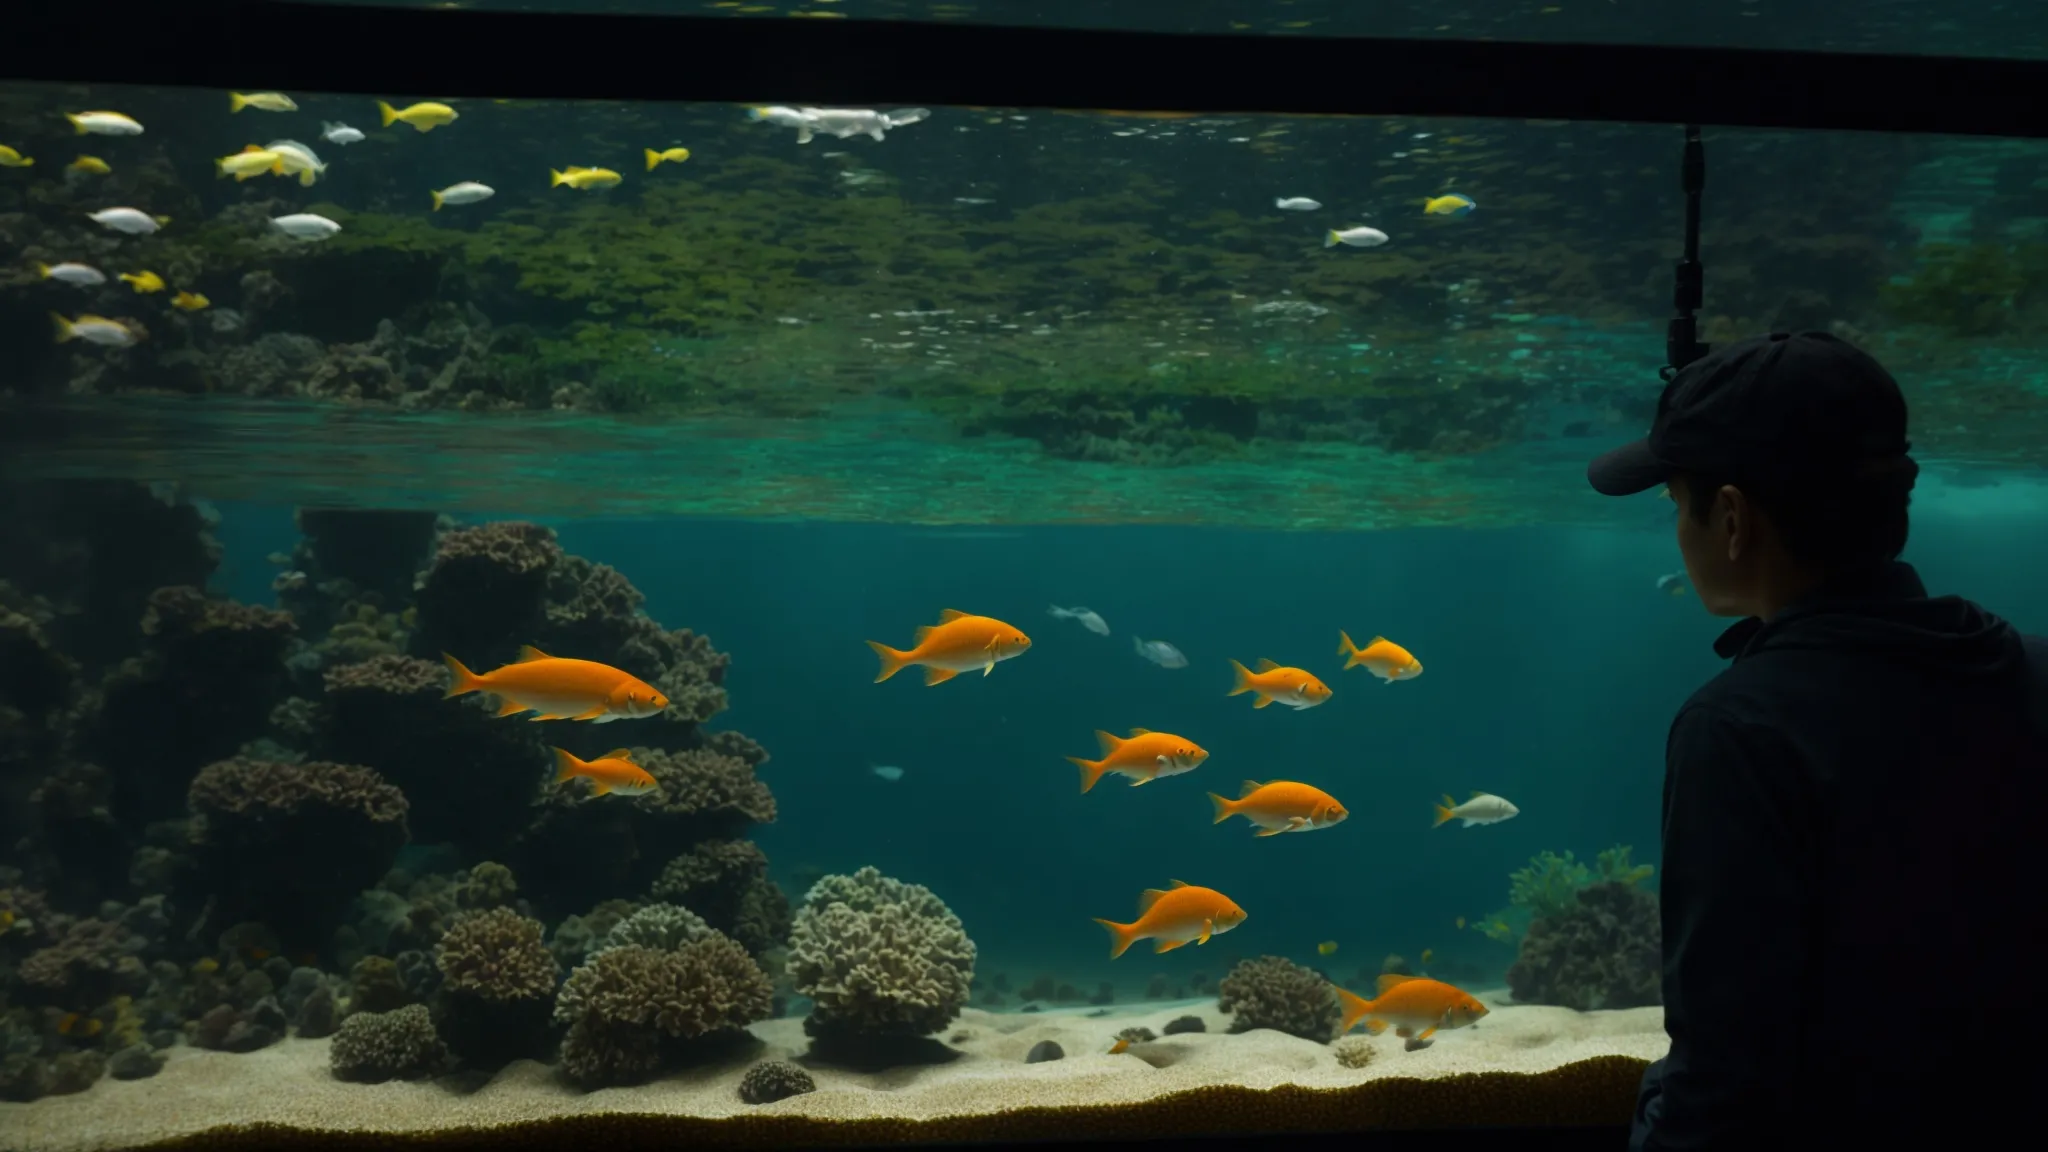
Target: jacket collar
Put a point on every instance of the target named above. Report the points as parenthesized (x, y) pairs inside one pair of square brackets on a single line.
[(1892, 580)]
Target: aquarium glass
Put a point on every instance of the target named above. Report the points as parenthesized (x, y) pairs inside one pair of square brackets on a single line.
[(2007, 28), (456, 559)]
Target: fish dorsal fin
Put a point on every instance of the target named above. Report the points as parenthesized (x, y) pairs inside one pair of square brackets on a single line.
[(1377, 640), (1264, 665), (252, 148), (1249, 787), (528, 652), (1147, 899), (625, 754), (1450, 803), (1475, 795), (1137, 732), (1390, 979), (1109, 741), (948, 615), (923, 632), (1172, 884)]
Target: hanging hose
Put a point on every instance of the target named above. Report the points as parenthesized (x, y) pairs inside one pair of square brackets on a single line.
[(1681, 338)]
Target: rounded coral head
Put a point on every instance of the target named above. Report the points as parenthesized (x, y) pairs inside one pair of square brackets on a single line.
[(637, 699)]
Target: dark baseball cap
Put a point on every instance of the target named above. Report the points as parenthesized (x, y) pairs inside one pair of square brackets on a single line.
[(1779, 408)]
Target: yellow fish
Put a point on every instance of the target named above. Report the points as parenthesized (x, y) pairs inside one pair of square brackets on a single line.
[(92, 164), (143, 281), (265, 101), (250, 162), (672, 155), (424, 116), (9, 158), (189, 301), (612, 772), (1428, 954), (583, 178), (1381, 657), (1145, 756), (1327, 948)]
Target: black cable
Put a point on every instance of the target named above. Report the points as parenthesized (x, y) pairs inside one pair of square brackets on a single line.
[(1681, 339)]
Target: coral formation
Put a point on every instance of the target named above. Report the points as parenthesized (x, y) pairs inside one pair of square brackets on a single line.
[(1180, 1024), (1549, 885), (1354, 1051), (1604, 952), (292, 844), (1043, 1051), (773, 1080), (631, 1009), (1273, 992), (395, 1045), (497, 987), (879, 959)]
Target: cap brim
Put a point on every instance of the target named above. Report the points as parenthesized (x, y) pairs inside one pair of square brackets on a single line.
[(1627, 470)]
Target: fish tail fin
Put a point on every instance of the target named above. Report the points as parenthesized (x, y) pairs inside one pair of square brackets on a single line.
[(653, 158), (65, 330), (1347, 648), (1355, 1008), (437, 200), (1225, 808), (77, 122), (1243, 683), (1091, 771), (567, 766), (1330, 238), (464, 681), (389, 114), (42, 270), (1444, 813), (306, 177), (893, 661), (237, 101), (1121, 936), (556, 179)]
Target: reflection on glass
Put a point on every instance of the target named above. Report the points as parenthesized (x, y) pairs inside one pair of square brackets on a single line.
[(411, 502)]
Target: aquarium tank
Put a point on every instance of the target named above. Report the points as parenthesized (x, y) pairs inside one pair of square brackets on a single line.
[(760, 622)]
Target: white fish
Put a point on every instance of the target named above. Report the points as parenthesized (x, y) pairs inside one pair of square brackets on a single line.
[(1159, 652), (335, 132), (1671, 583), (95, 330), (83, 275), (1296, 203), (1359, 237), (888, 772), (133, 221), (103, 124), (1088, 618), (976, 201), (1482, 808), (467, 192), (297, 159), (305, 226)]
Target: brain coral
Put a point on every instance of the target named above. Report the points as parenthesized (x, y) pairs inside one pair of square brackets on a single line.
[(1272, 992), (878, 958), (373, 1046)]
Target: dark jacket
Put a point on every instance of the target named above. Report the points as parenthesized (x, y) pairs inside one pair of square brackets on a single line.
[(1853, 858)]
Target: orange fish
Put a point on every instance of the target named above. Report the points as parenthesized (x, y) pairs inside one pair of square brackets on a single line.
[(1146, 756), (1383, 658), (1121, 1046), (1294, 687), (561, 689), (612, 772), (1415, 1005), (1175, 916), (957, 643), (1281, 806)]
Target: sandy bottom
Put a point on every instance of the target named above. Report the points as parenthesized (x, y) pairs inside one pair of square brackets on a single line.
[(289, 1085)]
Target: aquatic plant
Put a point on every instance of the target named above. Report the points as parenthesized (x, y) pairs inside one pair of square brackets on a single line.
[(1549, 884), (1274, 992), (1971, 290), (880, 959)]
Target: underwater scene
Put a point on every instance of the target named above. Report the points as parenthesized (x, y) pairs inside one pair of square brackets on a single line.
[(839, 625)]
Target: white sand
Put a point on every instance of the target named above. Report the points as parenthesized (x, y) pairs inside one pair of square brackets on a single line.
[(289, 1084)]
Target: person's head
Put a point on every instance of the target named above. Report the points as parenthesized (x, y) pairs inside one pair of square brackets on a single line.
[(1786, 456)]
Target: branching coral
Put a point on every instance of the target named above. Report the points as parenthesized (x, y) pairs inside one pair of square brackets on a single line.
[(1272, 992), (879, 958), (726, 881), (292, 844), (497, 987)]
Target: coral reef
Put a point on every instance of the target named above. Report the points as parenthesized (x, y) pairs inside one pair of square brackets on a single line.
[(1180, 1024), (1043, 1051), (1549, 885), (726, 882), (773, 1080), (632, 1009), (1273, 992), (1354, 1051), (292, 844), (395, 1045), (879, 958), (497, 987), (1606, 951)]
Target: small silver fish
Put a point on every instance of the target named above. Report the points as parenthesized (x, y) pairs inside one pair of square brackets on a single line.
[(888, 772), (1159, 652), (1359, 237), (1087, 617), (1482, 808), (335, 132), (1296, 204), (1671, 584)]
